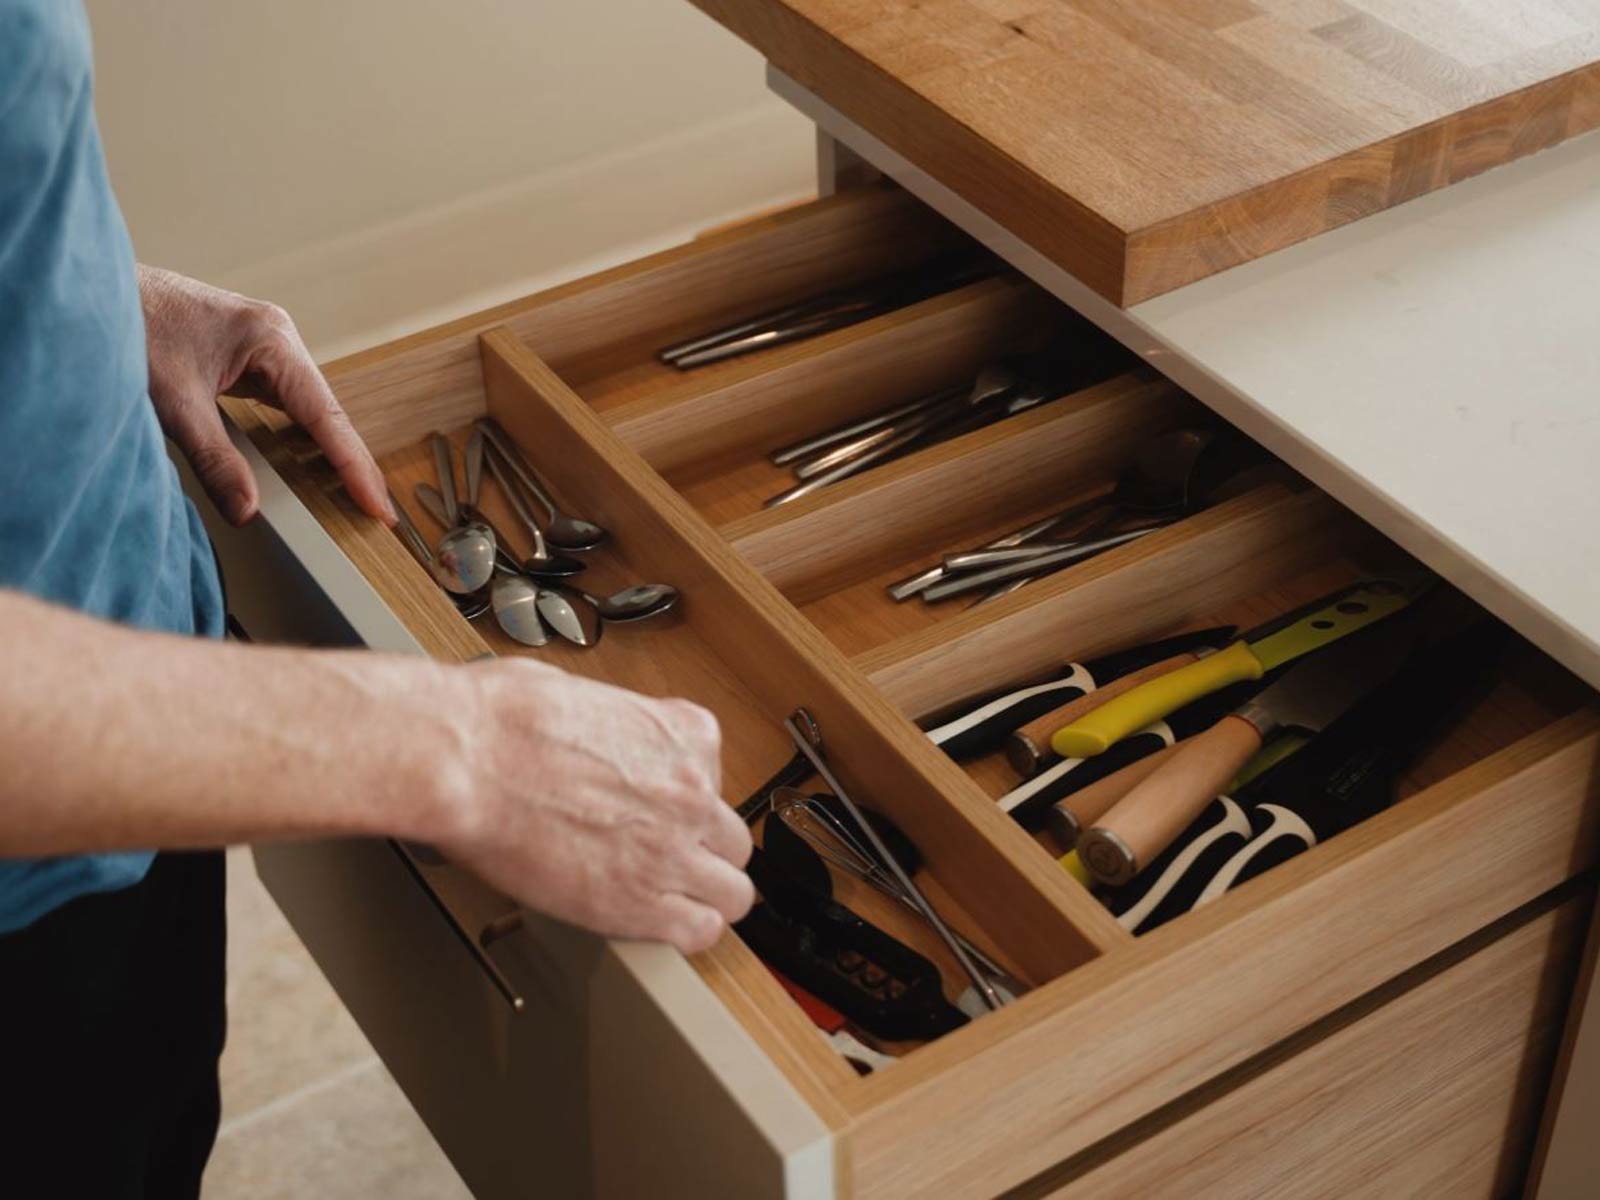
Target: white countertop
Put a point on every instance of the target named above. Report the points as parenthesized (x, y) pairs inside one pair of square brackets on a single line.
[(1435, 367)]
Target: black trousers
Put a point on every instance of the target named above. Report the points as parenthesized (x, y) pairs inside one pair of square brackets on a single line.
[(111, 1024)]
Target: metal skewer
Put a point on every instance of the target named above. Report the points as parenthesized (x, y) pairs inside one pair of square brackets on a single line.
[(980, 981)]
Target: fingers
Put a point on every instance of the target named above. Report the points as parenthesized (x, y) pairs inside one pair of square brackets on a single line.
[(726, 835), (297, 386), (689, 925), (196, 429), (718, 884)]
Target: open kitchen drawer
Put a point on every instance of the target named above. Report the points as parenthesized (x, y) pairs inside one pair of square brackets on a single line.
[(1446, 921)]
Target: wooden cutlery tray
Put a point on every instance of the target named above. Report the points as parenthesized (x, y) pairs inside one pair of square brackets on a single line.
[(1130, 1055)]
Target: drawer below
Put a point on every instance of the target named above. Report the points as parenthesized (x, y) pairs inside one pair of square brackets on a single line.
[(1430, 1087)]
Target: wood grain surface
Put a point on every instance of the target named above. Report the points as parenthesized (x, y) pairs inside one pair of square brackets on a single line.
[(1145, 145)]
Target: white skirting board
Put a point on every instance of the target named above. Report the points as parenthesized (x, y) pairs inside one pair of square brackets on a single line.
[(404, 275)]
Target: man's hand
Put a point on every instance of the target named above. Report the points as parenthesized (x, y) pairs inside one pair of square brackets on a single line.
[(205, 342), (597, 805)]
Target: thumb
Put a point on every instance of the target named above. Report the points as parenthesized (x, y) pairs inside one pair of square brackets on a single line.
[(197, 431)]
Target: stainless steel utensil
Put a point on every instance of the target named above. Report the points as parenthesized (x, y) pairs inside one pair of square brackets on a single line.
[(516, 608), (846, 449), (465, 555), (470, 605), (566, 532), (884, 855), (960, 585), (541, 563), (427, 496), (566, 612), (991, 383), (793, 772), (910, 586), (831, 839), (634, 603), (795, 451)]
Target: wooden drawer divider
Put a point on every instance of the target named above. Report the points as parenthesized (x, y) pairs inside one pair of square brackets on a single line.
[(1042, 919)]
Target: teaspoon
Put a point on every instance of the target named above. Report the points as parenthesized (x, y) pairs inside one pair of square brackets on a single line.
[(566, 611), (470, 605), (566, 532), (516, 608), (465, 556), (541, 563), (633, 603)]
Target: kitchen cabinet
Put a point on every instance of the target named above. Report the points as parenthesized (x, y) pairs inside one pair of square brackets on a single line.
[(1382, 1013)]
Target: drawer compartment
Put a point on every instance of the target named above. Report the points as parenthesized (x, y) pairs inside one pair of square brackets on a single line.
[(787, 607)]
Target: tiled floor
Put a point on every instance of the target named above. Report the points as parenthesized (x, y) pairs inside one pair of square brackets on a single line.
[(307, 1108)]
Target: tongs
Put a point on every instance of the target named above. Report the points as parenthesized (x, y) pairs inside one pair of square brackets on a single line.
[(826, 312)]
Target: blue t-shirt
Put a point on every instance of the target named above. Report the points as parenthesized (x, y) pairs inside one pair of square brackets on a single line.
[(91, 514)]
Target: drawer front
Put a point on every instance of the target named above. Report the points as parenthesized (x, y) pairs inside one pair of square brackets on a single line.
[(1434, 1092), (708, 1066)]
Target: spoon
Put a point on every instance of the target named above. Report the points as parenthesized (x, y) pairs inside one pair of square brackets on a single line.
[(566, 532), (465, 557), (541, 563), (633, 603), (566, 612), (433, 504), (516, 608), (470, 605)]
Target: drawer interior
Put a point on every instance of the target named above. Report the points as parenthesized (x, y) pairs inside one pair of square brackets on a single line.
[(787, 606)]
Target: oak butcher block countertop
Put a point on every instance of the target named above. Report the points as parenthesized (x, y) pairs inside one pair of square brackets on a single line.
[(1145, 144)]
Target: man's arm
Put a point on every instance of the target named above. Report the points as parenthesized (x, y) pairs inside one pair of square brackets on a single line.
[(585, 801)]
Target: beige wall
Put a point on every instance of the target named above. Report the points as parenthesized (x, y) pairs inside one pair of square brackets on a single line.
[(379, 164)]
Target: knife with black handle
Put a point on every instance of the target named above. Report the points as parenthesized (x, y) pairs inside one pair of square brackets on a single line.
[(985, 728), (1346, 774)]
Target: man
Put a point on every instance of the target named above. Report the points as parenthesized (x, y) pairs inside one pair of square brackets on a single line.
[(121, 730)]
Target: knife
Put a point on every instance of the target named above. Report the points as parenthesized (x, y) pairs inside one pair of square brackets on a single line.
[(987, 727), (1031, 803), (1311, 695), (1346, 774), (1252, 656)]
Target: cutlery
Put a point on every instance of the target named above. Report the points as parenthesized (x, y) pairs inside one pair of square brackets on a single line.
[(910, 586), (633, 603), (961, 585), (1252, 656), (793, 773), (1310, 695), (990, 725), (1338, 778), (541, 563), (1171, 476), (565, 532), (826, 312), (796, 451), (808, 819), (850, 449), (515, 599), (820, 764), (465, 554), (427, 496), (471, 605), (566, 612), (991, 383)]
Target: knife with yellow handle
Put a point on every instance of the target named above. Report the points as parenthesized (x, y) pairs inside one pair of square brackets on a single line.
[(1310, 696), (1252, 656)]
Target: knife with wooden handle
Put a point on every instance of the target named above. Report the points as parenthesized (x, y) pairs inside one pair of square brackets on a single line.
[(1310, 696), (1030, 803), (1251, 657), (986, 727)]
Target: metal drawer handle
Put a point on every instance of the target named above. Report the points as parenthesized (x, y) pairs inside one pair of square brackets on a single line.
[(476, 946)]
